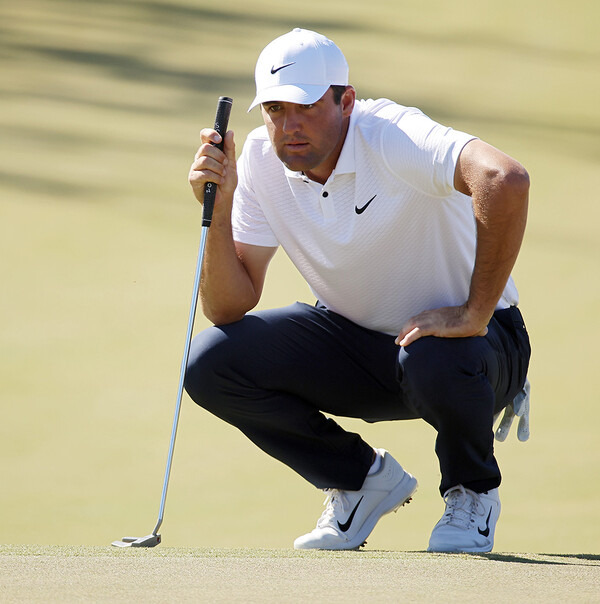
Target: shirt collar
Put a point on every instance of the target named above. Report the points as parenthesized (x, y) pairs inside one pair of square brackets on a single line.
[(345, 163)]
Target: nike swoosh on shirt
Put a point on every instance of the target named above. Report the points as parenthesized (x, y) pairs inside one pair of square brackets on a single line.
[(486, 532), (361, 210), (344, 527), (276, 69)]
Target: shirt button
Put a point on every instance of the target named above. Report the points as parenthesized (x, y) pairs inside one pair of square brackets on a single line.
[(325, 193)]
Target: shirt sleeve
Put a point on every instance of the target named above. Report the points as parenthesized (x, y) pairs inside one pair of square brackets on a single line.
[(422, 152), (248, 221)]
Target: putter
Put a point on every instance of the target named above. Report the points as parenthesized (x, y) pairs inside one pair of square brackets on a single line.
[(210, 191)]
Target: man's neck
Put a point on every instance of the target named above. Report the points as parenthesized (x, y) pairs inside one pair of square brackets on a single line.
[(323, 171)]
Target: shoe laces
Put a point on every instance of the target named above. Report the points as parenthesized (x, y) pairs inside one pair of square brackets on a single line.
[(461, 507), (335, 503)]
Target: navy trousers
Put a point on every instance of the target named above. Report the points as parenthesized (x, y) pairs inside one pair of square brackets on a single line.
[(275, 372)]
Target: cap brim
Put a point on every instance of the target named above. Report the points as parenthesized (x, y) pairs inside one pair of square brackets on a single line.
[(290, 93)]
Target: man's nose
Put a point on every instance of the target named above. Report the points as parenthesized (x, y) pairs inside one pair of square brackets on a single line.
[(291, 122)]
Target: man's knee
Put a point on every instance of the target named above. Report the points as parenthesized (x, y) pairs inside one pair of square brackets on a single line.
[(209, 355)]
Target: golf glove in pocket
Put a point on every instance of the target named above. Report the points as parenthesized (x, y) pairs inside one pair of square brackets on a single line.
[(519, 408)]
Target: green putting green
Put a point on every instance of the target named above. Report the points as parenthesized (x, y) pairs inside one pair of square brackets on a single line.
[(101, 107)]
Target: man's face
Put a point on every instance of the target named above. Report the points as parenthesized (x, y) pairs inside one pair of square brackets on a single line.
[(309, 138)]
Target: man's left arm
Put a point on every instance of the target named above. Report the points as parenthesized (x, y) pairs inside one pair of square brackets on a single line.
[(499, 188)]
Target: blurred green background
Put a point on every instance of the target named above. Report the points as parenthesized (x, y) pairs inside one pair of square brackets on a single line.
[(101, 102)]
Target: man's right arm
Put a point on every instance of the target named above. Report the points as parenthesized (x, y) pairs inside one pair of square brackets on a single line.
[(233, 273)]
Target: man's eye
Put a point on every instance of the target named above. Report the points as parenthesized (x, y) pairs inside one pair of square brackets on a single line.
[(273, 108), (308, 106)]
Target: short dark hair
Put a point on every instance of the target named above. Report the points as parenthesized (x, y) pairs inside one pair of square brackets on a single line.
[(338, 92)]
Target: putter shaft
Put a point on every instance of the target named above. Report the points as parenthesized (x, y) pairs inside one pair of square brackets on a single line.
[(210, 190), (184, 362)]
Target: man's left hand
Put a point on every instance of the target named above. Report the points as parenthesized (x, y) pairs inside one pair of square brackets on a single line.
[(447, 322)]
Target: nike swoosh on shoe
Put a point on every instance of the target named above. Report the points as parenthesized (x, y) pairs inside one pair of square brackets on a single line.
[(346, 525), (486, 531)]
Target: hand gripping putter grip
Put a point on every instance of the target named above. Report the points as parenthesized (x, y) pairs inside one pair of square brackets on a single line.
[(210, 191)]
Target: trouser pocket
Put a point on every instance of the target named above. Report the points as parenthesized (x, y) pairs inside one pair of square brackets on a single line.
[(511, 321)]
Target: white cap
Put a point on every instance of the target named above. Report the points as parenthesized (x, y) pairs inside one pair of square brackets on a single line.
[(298, 67)]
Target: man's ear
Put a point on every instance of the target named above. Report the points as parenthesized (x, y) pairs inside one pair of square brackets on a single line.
[(347, 101)]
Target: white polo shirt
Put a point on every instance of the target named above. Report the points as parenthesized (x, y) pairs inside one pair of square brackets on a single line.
[(387, 236)]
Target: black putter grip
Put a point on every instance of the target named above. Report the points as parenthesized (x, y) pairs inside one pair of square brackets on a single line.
[(210, 188)]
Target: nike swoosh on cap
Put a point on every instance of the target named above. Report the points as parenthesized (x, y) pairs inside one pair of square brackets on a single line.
[(361, 210), (344, 527), (276, 69)]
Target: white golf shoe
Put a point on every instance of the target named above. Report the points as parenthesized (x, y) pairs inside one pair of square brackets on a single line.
[(350, 516), (468, 523)]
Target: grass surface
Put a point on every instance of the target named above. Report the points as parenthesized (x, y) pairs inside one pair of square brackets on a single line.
[(101, 104), (69, 574)]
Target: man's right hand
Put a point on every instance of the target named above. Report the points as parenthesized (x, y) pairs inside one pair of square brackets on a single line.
[(233, 273), (213, 165)]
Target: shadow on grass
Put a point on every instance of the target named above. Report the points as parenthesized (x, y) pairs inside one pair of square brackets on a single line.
[(592, 560), (548, 559), (127, 62), (163, 19), (49, 187), (189, 15)]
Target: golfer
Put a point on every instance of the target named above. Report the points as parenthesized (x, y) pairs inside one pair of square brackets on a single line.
[(407, 232)]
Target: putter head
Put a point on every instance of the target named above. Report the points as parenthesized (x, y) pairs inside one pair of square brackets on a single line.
[(151, 540)]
